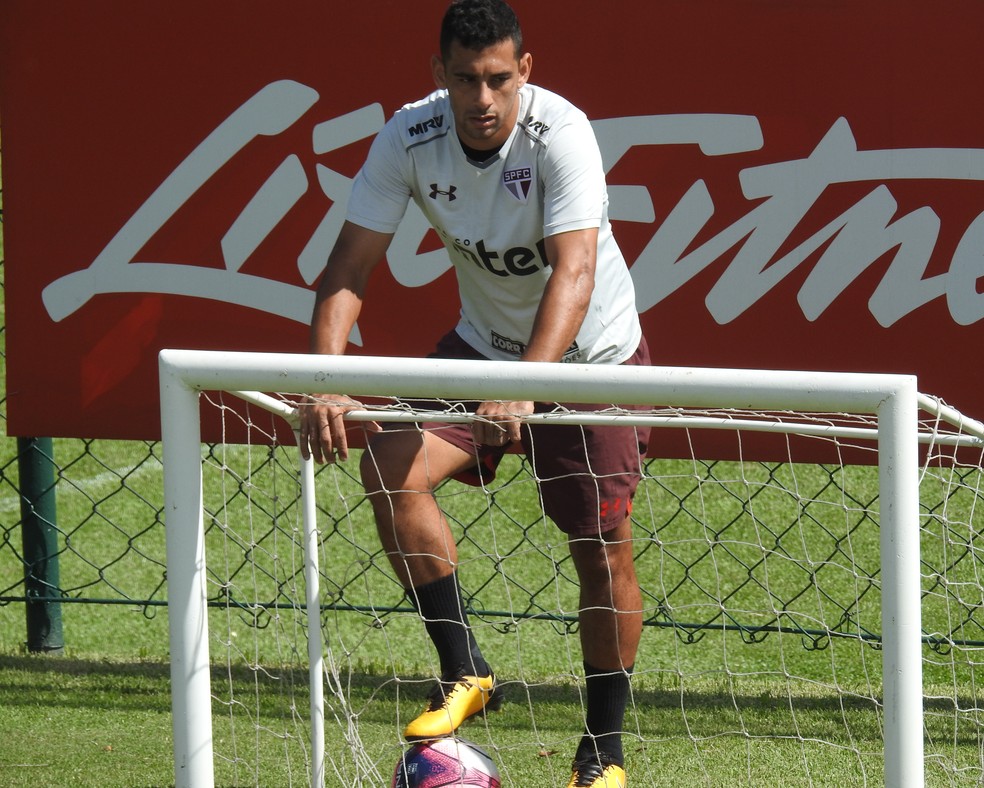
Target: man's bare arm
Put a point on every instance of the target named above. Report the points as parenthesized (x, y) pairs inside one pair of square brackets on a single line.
[(562, 310), (567, 295), (336, 308)]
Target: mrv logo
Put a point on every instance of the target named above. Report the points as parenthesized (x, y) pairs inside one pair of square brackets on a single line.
[(517, 261), (427, 125)]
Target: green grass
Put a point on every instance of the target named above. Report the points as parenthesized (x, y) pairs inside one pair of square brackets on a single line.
[(76, 721), (107, 724), (101, 723)]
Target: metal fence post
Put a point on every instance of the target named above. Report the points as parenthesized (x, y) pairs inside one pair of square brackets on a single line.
[(40, 539)]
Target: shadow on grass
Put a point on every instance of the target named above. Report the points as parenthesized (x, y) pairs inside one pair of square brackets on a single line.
[(79, 683)]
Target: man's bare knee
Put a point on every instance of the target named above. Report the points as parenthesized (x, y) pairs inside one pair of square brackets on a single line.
[(387, 463), (410, 461)]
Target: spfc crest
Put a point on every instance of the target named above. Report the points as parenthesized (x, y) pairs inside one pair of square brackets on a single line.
[(518, 182)]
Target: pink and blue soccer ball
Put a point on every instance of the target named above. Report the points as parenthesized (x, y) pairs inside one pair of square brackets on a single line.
[(445, 762)]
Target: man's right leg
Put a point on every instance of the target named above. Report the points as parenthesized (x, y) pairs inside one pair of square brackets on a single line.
[(400, 471)]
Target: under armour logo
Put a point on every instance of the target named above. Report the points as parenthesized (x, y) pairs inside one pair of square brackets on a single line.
[(449, 193)]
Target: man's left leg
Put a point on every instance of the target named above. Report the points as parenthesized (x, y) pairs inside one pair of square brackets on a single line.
[(610, 628)]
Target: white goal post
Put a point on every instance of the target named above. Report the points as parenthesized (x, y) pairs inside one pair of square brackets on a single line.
[(892, 399)]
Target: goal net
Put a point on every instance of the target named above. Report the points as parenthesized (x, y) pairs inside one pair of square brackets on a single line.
[(809, 562)]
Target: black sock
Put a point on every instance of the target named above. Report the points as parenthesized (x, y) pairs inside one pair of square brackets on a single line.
[(607, 696), (441, 606)]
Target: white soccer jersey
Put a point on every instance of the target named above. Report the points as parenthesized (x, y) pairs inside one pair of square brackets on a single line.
[(492, 217)]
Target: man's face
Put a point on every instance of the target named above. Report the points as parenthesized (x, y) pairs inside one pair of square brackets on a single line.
[(483, 87)]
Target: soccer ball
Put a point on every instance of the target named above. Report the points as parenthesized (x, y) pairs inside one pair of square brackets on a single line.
[(445, 762)]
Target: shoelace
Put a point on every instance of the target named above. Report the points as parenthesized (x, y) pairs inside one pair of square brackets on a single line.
[(590, 769), (441, 693)]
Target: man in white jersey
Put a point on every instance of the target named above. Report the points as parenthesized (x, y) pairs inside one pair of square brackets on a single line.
[(511, 178)]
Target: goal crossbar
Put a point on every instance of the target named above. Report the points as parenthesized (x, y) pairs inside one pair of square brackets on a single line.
[(892, 399)]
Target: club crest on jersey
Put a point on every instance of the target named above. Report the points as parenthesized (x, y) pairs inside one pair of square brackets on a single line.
[(518, 182)]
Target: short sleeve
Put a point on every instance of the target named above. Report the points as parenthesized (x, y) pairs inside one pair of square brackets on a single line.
[(381, 189), (573, 180)]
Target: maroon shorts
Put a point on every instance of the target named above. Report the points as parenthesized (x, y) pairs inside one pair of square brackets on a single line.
[(587, 474)]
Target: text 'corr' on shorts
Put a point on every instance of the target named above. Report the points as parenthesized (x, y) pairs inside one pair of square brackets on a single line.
[(587, 474)]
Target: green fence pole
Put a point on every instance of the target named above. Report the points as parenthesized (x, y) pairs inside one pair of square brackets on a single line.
[(40, 539)]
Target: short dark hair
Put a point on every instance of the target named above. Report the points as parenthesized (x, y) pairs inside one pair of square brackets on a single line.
[(477, 24)]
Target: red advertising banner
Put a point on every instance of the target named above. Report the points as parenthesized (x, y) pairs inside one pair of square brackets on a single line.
[(796, 185)]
